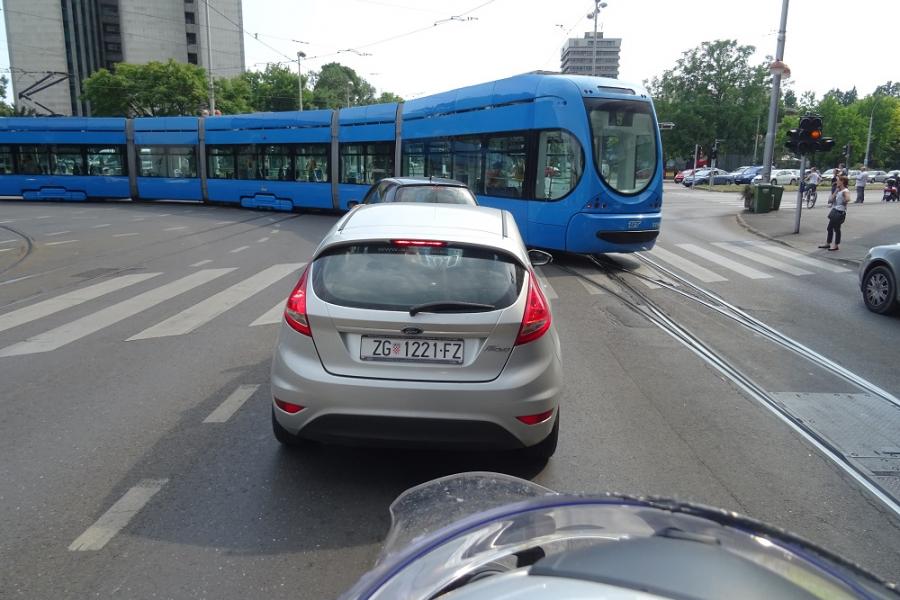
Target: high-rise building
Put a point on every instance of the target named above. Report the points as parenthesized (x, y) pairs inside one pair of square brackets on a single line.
[(54, 45), (577, 55)]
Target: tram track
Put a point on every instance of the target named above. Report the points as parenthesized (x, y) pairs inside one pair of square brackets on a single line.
[(641, 303)]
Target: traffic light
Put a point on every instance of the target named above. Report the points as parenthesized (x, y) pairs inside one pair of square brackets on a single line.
[(793, 141), (714, 151), (846, 149), (807, 138)]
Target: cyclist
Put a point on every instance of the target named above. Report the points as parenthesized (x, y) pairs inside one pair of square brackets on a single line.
[(812, 178)]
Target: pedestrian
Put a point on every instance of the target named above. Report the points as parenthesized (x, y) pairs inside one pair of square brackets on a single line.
[(836, 174), (861, 180), (838, 213)]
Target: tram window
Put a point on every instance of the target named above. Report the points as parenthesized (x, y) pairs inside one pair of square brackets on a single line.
[(221, 162), (67, 160), (106, 160), (181, 161), (275, 162), (467, 163), (413, 159), (624, 143), (505, 166), (248, 166), (366, 163), (440, 159), (34, 160), (6, 160), (311, 162), (560, 165), (152, 161)]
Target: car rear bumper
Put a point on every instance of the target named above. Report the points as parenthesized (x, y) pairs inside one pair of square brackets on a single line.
[(473, 415)]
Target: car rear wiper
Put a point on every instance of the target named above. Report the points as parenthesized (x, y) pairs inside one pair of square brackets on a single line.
[(449, 306)]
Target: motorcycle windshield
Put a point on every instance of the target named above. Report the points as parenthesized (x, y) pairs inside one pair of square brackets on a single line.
[(454, 529)]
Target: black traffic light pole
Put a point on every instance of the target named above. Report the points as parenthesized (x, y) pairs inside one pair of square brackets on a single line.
[(800, 193), (807, 139)]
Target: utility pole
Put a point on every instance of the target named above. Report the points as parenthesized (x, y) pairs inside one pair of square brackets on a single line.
[(756, 138), (776, 68), (800, 193), (212, 88), (300, 55), (869, 138), (593, 14)]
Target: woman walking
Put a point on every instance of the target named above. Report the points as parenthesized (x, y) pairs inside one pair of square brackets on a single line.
[(838, 202)]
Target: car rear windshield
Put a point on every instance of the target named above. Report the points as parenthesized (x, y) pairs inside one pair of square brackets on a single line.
[(387, 276), (435, 194)]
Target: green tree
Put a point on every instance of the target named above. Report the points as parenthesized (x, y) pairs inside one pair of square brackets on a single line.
[(274, 89), (233, 95), (337, 86), (6, 110), (388, 98), (713, 92), (154, 89)]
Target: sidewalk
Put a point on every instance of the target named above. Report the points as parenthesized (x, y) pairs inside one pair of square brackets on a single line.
[(869, 224)]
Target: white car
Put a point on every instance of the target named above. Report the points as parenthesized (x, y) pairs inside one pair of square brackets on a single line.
[(781, 177)]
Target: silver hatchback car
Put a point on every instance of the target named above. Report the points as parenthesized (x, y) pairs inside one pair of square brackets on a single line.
[(419, 325)]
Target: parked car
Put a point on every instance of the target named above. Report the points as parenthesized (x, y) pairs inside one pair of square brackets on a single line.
[(781, 177), (735, 173), (419, 189), (420, 325), (877, 176), (679, 177), (720, 177), (878, 275), (748, 174)]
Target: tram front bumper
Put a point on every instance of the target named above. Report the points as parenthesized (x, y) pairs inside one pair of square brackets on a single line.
[(590, 233)]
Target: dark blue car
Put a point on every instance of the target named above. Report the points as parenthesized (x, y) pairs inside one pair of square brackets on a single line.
[(748, 174)]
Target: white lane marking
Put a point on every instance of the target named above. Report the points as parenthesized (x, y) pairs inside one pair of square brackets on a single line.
[(202, 262), (231, 404), (649, 274), (768, 261), (6, 249), (545, 285), (58, 233), (223, 222), (22, 278), (60, 243), (191, 318), (263, 239), (101, 226), (800, 258), (47, 307), (607, 283), (8, 241), (271, 316), (79, 328), (124, 234), (175, 228), (274, 231), (7, 221), (725, 262), (691, 268), (236, 250), (117, 517), (164, 215)]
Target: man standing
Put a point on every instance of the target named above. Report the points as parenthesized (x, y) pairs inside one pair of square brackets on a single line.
[(861, 181)]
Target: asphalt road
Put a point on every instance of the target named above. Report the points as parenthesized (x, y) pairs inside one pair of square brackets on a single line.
[(138, 460)]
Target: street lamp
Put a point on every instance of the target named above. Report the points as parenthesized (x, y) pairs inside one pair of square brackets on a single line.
[(593, 15), (300, 55)]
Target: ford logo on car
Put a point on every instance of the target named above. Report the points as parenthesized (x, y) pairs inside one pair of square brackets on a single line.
[(411, 331)]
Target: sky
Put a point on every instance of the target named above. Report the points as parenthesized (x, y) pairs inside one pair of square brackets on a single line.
[(418, 47)]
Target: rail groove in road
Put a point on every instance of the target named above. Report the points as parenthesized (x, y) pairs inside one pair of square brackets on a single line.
[(644, 305)]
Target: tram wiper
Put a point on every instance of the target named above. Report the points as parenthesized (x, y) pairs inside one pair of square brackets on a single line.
[(450, 306)]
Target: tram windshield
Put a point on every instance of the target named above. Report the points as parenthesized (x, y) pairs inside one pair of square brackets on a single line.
[(624, 143)]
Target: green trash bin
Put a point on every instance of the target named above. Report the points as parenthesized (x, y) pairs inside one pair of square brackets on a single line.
[(777, 192), (762, 198)]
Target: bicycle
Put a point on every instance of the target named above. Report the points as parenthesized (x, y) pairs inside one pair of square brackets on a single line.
[(810, 195)]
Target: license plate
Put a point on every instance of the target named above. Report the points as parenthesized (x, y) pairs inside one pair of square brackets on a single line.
[(426, 350)]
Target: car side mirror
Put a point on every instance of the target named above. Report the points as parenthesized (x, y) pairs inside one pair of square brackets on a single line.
[(539, 258), (352, 204)]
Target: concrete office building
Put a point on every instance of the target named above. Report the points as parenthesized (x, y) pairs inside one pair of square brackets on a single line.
[(54, 45), (577, 54)]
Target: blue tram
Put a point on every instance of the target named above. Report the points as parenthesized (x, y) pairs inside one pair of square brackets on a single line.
[(577, 160)]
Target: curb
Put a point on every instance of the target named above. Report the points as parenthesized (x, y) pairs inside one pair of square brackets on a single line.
[(740, 221)]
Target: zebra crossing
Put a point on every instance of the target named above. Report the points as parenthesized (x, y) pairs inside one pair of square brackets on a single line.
[(707, 262), (181, 323)]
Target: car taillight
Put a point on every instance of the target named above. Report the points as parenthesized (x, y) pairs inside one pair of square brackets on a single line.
[(288, 407), (536, 418), (418, 243), (295, 311), (536, 320)]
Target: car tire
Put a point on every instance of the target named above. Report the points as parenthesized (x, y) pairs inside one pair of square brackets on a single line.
[(288, 439), (774, 181), (546, 448), (793, 182), (879, 290)]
